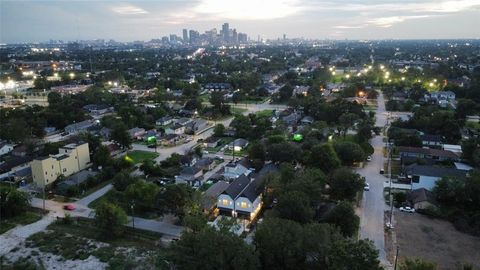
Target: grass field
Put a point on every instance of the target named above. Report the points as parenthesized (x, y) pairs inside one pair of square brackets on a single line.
[(24, 219), (138, 156), (264, 113), (238, 110)]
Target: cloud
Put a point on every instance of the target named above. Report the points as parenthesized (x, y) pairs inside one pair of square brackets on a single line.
[(350, 26), (129, 10), (389, 21), (248, 9)]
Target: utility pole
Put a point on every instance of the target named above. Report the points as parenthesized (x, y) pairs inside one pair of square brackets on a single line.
[(396, 259), (44, 198), (133, 214)]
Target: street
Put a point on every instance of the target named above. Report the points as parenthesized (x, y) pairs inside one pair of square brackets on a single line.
[(373, 204)]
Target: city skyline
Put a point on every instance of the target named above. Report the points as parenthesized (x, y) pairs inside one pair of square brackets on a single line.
[(36, 21)]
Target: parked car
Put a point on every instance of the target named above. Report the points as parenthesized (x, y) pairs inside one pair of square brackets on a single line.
[(151, 146), (382, 171), (407, 209), (69, 207), (366, 187), (369, 158)]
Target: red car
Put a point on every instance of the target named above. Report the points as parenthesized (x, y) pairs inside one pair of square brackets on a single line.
[(69, 207)]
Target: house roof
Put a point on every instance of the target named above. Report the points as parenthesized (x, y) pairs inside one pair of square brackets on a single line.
[(190, 170), (237, 186), (428, 151), (78, 178), (434, 171), (210, 196), (421, 195), (212, 139), (431, 138), (240, 142), (253, 189), (204, 162)]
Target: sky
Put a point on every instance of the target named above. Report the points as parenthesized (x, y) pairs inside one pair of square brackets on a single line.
[(37, 20)]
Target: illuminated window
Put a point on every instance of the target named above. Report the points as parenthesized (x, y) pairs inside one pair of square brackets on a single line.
[(225, 202), (244, 205)]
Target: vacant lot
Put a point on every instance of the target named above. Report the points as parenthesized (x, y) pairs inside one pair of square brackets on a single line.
[(435, 240)]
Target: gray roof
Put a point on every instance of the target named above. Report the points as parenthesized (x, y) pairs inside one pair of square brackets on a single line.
[(428, 151), (240, 142), (78, 178), (421, 195), (190, 170), (434, 171), (253, 189), (237, 186)]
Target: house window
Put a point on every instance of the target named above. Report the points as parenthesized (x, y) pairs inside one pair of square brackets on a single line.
[(244, 205), (64, 170), (225, 202)]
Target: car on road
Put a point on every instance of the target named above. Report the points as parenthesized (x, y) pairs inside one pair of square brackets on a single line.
[(205, 152), (407, 209), (219, 157), (382, 171), (69, 207), (151, 146), (366, 187), (369, 158)]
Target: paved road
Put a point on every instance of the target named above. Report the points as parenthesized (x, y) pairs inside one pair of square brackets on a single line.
[(373, 204), (56, 210), (95, 195)]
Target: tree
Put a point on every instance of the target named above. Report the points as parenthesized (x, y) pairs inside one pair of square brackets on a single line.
[(256, 151), (349, 152), (417, 264), (344, 184), (110, 219), (143, 194), (13, 202), (211, 249), (122, 180), (353, 255), (283, 152), (294, 205), (174, 199), (120, 135), (323, 156), (285, 93), (343, 216), (279, 244), (101, 157), (219, 130), (346, 121)]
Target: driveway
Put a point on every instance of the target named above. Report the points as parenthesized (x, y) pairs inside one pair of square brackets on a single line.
[(373, 205)]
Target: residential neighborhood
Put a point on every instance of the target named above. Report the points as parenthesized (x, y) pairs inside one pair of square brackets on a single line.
[(218, 150)]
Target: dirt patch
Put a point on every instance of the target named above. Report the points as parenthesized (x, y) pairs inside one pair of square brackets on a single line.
[(434, 240)]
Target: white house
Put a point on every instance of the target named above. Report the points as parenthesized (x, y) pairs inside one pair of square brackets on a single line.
[(238, 145), (241, 198), (235, 170), (175, 129), (5, 148)]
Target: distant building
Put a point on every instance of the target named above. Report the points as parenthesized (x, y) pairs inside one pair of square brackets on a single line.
[(175, 129), (71, 158), (238, 144), (83, 126), (242, 198)]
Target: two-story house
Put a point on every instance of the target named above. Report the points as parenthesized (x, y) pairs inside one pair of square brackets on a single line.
[(241, 198)]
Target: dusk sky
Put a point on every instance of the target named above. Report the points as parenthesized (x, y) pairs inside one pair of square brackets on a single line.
[(29, 21)]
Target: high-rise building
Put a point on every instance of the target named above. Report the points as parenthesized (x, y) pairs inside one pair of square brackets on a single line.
[(194, 36), (185, 35), (242, 38), (234, 36), (173, 38), (226, 32)]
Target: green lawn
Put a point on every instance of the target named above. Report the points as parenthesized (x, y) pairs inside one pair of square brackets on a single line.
[(118, 198), (24, 219), (238, 110), (264, 113), (138, 156)]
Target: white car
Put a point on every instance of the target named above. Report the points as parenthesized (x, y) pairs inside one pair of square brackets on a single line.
[(369, 158), (407, 209), (366, 187)]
